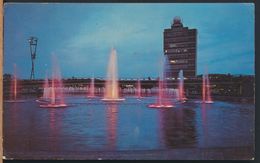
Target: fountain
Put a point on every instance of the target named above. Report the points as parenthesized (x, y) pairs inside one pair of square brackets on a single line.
[(111, 86), (56, 92), (91, 92), (138, 89), (206, 97), (181, 95), (14, 88), (46, 91), (163, 100), (14, 84)]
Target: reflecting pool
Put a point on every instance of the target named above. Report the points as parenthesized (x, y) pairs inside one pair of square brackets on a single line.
[(92, 126)]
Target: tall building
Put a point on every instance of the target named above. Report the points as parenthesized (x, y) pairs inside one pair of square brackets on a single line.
[(180, 45)]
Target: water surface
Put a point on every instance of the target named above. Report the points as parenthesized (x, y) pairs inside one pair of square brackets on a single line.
[(92, 125)]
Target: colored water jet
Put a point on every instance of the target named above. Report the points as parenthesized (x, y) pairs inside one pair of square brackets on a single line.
[(138, 92), (91, 92), (206, 94), (14, 88), (15, 83), (163, 99), (111, 86), (181, 93), (46, 93), (46, 90), (56, 89)]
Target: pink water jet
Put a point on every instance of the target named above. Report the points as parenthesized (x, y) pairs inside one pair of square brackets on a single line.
[(13, 92), (91, 91), (138, 92), (46, 91), (56, 89), (111, 86), (181, 93), (206, 97), (14, 88), (163, 100), (15, 83)]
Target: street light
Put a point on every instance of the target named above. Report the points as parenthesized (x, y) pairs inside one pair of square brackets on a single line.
[(33, 45)]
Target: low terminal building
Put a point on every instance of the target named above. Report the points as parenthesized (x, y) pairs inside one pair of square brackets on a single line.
[(221, 85)]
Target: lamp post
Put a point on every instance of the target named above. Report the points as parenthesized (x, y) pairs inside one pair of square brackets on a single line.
[(33, 45)]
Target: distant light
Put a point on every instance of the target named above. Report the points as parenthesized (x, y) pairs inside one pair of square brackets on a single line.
[(173, 61)]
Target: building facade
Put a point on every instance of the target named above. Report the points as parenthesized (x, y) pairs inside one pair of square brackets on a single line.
[(180, 46)]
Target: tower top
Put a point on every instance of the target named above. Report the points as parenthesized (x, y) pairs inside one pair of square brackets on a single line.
[(177, 22)]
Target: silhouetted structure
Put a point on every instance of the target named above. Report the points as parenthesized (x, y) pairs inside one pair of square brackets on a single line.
[(180, 45), (222, 86), (33, 46)]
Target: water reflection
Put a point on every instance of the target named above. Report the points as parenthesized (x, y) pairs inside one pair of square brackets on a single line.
[(11, 126), (14, 115), (178, 127), (54, 125), (97, 126), (111, 115), (31, 127), (204, 108)]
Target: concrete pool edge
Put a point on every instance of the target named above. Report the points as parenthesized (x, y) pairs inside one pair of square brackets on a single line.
[(225, 153)]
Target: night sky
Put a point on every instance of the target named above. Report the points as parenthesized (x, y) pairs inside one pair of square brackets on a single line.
[(82, 35)]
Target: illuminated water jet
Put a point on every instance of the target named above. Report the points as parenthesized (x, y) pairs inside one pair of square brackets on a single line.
[(14, 88), (206, 96), (163, 100), (56, 92), (111, 86), (91, 91), (46, 91), (138, 89), (15, 83), (181, 95)]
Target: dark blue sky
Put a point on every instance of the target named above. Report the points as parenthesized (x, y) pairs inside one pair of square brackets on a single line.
[(81, 36)]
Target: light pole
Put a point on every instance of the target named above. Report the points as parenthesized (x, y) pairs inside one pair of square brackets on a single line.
[(33, 45)]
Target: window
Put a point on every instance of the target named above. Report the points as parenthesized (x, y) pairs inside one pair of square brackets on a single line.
[(172, 45)]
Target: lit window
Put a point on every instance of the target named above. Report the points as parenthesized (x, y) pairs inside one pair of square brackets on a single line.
[(173, 61), (172, 45)]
